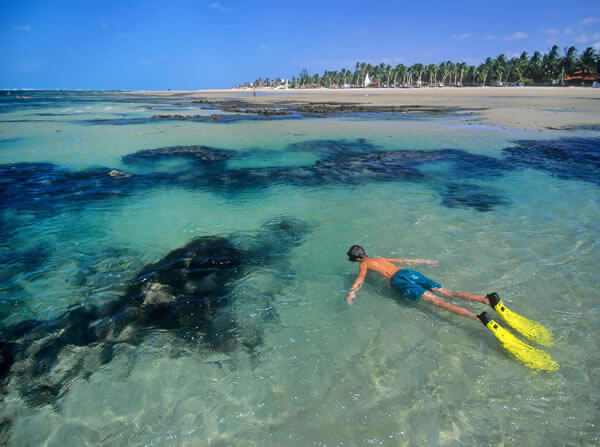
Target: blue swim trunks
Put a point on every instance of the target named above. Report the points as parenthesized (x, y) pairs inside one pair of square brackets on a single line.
[(412, 284)]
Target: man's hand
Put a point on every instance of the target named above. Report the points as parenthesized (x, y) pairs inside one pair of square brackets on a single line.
[(423, 261), (350, 297)]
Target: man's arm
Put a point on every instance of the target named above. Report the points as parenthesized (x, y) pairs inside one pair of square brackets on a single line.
[(358, 282), (413, 261)]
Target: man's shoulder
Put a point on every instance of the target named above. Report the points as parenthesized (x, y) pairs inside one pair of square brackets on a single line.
[(375, 261)]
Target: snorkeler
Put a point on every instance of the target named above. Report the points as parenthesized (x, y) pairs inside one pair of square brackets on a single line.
[(415, 286), (409, 283)]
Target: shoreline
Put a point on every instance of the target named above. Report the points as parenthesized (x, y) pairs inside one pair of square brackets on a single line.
[(532, 108)]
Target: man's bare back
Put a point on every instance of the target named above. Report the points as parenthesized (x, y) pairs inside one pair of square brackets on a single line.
[(386, 268), (383, 266)]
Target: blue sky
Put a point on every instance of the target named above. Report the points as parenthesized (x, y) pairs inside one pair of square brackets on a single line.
[(181, 44)]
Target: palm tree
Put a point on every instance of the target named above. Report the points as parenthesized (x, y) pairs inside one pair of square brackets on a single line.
[(485, 69), (379, 73), (388, 73), (443, 71), (513, 67), (315, 78), (568, 63), (462, 67), (418, 69), (451, 67), (474, 74), (358, 72), (588, 61), (432, 69), (535, 67), (304, 76), (399, 72), (588, 58), (551, 63), (500, 67)]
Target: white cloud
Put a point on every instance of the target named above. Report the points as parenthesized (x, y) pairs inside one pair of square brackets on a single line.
[(22, 28), (219, 7), (597, 46), (552, 31), (583, 34), (104, 25), (144, 61), (589, 20), (490, 37), (462, 36), (263, 46), (517, 35), (587, 38)]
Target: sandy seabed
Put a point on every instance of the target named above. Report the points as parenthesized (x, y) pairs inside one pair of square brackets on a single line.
[(535, 108)]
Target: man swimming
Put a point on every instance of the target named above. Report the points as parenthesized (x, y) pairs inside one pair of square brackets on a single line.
[(415, 286), (411, 284)]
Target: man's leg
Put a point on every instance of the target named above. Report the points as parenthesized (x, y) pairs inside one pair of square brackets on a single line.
[(439, 302), (463, 295)]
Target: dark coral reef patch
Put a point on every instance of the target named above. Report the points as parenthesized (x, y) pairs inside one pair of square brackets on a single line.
[(45, 188), (194, 293)]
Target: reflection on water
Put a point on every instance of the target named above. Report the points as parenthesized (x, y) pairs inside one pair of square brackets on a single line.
[(185, 282)]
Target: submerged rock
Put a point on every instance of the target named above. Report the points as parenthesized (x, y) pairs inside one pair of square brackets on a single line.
[(567, 158), (196, 153), (115, 173), (330, 108), (468, 195), (192, 293), (47, 189)]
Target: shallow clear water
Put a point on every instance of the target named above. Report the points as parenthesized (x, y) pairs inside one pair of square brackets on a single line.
[(301, 367)]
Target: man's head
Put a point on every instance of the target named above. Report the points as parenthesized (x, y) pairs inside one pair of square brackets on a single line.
[(356, 253)]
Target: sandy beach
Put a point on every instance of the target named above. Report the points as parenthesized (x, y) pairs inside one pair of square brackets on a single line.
[(537, 108)]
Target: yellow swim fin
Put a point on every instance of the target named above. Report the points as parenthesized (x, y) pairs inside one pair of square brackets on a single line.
[(533, 330), (532, 357)]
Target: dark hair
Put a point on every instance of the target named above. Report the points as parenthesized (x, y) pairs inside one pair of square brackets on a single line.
[(356, 252)]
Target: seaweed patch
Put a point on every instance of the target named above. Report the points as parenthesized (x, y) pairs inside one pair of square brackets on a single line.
[(46, 189), (10, 140), (196, 153), (219, 118), (566, 158), (468, 195), (194, 293)]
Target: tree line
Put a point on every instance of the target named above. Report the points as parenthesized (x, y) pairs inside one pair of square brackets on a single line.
[(552, 68)]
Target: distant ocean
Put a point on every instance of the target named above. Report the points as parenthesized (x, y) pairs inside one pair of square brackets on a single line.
[(174, 281)]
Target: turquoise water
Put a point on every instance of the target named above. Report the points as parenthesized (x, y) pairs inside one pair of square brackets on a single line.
[(501, 210)]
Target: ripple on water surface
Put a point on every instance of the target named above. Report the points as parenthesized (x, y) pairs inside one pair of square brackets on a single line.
[(501, 210)]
